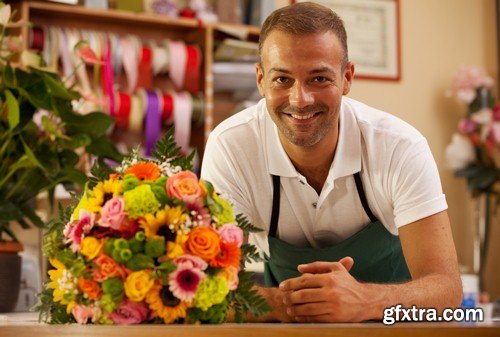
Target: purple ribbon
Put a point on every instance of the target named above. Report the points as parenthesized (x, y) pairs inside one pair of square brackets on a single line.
[(153, 121)]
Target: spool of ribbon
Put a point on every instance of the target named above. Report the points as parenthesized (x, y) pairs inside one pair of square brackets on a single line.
[(177, 65), (153, 121), (36, 38), (145, 68), (116, 53), (130, 61), (54, 48), (168, 109), (160, 58), (123, 110), (198, 108), (136, 113), (183, 110), (107, 76), (193, 68)]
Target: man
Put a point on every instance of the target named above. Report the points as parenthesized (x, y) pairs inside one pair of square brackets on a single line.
[(333, 183)]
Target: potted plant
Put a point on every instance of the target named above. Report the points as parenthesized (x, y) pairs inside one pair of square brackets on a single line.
[(42, 139)]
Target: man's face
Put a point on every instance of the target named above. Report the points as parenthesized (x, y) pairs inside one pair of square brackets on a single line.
[(302, 80)]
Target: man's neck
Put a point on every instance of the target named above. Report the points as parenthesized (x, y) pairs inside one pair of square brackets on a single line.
[(313, 162)]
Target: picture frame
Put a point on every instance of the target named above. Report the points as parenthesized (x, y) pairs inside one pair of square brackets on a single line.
[(373, 36)]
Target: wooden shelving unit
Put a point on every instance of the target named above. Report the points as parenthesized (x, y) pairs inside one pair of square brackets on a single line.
[(147, 26)]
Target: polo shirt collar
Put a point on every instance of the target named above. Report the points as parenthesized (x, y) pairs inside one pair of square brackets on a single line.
[(347, 159)]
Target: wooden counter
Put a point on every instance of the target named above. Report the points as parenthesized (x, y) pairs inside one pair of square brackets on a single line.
[(20, 326)]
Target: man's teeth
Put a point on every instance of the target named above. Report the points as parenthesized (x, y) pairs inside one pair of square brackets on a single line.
[(303, 117)]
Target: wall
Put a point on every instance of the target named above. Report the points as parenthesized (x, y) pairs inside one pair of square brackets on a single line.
[(437, 38)]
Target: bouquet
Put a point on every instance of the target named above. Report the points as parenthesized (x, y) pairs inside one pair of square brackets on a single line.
[(149, 242), (473, 150)]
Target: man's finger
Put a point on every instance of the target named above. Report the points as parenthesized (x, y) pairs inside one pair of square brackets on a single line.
[(305, 281), (319, 267), (308, 309), (347, 262), (314, 319), (303, 296)]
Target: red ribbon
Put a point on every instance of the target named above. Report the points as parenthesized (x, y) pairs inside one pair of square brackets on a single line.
[(192, 79), (37, 38), (168, 107), (123, 112), (145, 68)]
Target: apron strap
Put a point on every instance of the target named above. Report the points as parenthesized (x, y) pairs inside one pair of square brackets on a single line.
[(362, 197), (276, 206)]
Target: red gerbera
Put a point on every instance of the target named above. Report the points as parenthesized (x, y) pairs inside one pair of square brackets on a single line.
[(229, 255)]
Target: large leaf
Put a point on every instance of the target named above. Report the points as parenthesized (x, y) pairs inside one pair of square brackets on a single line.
[(95, 124), (8, 75), (12, 109), (104, 148), (31, 156), (10, 212), (33, 88), (483, 180), (56, 88)]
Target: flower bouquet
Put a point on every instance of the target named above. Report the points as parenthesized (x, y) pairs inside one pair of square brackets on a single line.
[(149, 243)]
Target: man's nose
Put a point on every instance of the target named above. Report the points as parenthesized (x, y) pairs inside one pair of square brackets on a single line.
[(300, 96)]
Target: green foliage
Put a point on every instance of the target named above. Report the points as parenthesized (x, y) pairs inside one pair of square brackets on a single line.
[(246, 299), (245, 225), (50, 311), (167, 149), (35, 158)]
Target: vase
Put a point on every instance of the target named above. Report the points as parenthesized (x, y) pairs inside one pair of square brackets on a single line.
[(10, 279)]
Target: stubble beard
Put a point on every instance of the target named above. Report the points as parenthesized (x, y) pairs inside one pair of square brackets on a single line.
[(314, 136)]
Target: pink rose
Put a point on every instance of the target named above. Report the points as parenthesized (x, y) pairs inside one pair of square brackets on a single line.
[(184, 186), (74, 234), (191, 261), (129, 312), (112, 213), (466, 126), (231, 233), (82, 313)]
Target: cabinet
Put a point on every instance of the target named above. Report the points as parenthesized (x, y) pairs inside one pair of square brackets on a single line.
[(147, 27)]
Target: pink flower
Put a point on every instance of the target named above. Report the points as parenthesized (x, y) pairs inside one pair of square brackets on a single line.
[(86, 53), (466, 126), (190, 261), (184, 281), (467, 80), (231, 233), (129, 312), (113, 213), (230, 273), (495, 130), (184, 186), (74, 234), (82, 313)]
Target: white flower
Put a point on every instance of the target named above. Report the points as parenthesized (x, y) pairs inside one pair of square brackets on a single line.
[(4, 14), (460, 152), (483, 116)]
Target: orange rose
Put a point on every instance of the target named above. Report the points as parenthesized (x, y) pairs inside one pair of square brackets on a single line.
[(203, 242), (108, 268), (89, 287), (184, 186), (229, 255)]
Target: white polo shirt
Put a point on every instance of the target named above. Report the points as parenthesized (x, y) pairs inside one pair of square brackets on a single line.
[(398, 171)]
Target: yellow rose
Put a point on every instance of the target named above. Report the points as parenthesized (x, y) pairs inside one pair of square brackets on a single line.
[(137, 285), (91, 247)]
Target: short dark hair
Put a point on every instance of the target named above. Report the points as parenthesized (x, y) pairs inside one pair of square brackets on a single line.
[(305, 18)]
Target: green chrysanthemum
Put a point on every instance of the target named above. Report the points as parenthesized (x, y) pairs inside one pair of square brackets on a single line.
[(140, 201), (224, 211), (211, 291)]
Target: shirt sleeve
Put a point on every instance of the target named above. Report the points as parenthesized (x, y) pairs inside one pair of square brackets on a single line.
[(416, 186), (219, 169)]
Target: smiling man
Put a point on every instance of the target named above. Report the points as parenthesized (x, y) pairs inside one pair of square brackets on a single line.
[(349, 198)]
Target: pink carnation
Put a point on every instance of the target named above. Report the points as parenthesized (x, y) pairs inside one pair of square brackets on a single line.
[(184, 281), (82, 313), (231, 233), (191, 261), (129, 312), (113, 213), (74, 234)]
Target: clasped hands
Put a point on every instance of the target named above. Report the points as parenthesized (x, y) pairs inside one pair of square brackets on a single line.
[(325, 292)]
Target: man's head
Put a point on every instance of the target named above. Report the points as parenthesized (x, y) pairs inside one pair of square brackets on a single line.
[(304, 72)]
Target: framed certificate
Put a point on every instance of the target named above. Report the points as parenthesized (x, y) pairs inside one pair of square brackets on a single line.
[(373, 37)]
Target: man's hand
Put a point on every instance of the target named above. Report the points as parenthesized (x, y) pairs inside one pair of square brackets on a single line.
[(325, 292)]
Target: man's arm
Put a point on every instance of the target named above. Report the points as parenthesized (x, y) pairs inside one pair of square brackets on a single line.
[(326, 292)]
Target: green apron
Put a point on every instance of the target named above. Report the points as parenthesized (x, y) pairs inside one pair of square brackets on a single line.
[(377, 253)]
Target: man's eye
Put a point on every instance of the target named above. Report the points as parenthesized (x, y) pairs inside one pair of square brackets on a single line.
[(282, 80), (320, 79)]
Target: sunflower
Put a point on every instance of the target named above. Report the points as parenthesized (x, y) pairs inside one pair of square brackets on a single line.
[(144, 171), (169, 216), (165, 305), (63, 283), (102, 192)]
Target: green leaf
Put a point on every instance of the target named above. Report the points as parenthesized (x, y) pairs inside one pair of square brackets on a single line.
[(483, 180), (95, 124), (10, 211), (12, 109), (56, 88), (77, 140), (30, 213), (102, 147), (8, 75), (31, 156), (167, 149)]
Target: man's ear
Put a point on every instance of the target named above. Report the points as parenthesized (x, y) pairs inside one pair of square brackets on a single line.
[(260, 77), (348, 77)]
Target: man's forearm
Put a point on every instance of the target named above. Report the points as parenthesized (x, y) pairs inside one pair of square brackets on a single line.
[(436, 291)]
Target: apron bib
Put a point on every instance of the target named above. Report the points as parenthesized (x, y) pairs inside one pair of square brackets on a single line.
[(377, 254)]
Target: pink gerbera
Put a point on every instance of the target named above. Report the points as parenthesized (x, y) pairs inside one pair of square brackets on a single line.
[(184, 281)]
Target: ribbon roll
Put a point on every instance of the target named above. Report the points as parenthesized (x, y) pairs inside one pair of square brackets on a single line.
[(36, 38), (123, 110), (193, 63), (168, 108), (145, 72), (160, 58), (130, 61), (183, 110), (177, 66), (136, 113), (153, 121)]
